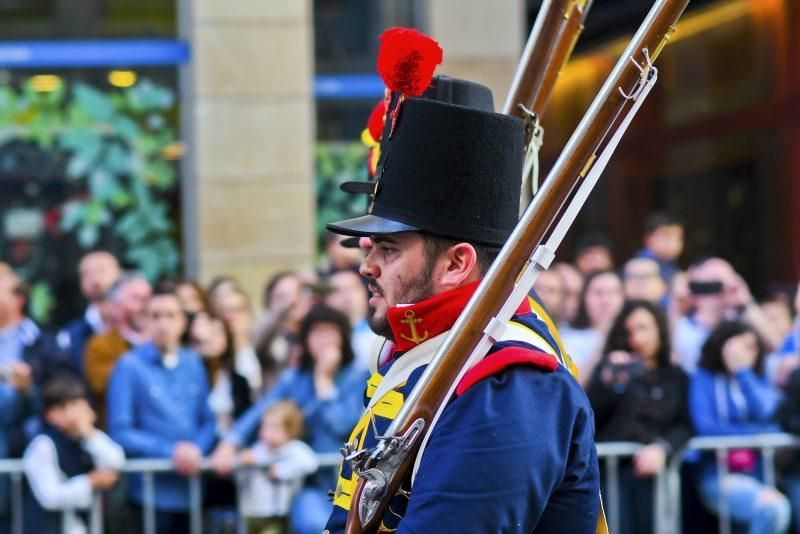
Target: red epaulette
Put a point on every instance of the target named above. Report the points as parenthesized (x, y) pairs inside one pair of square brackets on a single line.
[(503, 359)]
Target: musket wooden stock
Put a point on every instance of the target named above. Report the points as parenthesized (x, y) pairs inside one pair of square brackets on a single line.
[(533, 228)]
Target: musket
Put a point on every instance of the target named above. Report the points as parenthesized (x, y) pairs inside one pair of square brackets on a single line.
[(529, 250), (550, 44)]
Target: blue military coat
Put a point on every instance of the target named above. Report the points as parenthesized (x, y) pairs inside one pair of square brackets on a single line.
[(513, 452)]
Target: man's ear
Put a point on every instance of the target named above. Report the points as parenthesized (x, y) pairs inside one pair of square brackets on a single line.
[(458, 266)]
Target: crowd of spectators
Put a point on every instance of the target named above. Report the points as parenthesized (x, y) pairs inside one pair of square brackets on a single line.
[(665, 355), (186, 372)]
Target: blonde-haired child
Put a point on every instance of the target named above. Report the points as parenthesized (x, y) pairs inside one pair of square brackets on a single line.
[(266, 494)]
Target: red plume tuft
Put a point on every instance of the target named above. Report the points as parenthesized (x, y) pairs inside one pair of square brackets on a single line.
[(407, 59), (376, 120)]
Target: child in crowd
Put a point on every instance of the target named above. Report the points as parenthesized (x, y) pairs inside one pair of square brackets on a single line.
[(266, 495), (68, 460), (663, 242)]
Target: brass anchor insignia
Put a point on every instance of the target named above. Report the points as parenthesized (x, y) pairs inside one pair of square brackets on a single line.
[(412, 324)]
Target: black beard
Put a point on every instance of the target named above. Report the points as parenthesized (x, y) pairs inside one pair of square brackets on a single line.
[(380, 325), (416, 290)]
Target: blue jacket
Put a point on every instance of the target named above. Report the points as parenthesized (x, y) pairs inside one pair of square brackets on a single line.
[(743, 404), (152, 407), (78, 331), (327, 422)]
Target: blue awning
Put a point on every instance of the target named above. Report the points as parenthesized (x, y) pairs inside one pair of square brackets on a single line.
[(105, 53), (348, 87)]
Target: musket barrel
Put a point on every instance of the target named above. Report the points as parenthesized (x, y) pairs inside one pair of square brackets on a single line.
[(529, 74)]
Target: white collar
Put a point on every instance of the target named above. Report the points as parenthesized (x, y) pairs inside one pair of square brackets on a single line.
[(170, 361), (93, 318)]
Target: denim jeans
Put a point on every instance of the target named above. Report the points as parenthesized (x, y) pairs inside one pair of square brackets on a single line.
[(792, 484), (744, 496)]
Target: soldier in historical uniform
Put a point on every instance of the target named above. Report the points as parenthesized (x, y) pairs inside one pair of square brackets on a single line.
[(513, 451)]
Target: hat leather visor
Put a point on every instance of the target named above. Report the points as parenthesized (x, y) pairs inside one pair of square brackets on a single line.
[(368, 225)]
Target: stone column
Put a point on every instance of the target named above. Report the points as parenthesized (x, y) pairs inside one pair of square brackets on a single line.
[(253, 135), (482, 40)]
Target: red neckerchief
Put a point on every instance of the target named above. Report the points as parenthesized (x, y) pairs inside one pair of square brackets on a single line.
[(432, 316), (415, 323)]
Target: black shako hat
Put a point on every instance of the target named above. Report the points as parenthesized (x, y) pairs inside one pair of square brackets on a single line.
[(448, 171), (441, 89)]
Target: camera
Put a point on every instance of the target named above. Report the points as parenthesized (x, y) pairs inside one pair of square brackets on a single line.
[(622, 373), (711, 287)]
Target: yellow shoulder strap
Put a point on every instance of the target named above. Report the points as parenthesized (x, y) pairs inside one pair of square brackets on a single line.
[(602, 526)]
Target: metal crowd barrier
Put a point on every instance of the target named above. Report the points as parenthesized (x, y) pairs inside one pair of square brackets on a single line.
[(666, 494), (148, 468), (767, 444), (610, 455)]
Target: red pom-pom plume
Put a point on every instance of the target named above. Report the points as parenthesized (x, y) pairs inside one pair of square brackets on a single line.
[(407, 59), (376, 120)]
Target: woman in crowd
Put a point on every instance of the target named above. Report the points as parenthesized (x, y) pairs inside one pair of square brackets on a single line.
[(329, 390), (729, 395), (638, 395), (230, 397), (789, 418), (286, 301), (230, 393), (784, 361), (191, 295), (601, 300)]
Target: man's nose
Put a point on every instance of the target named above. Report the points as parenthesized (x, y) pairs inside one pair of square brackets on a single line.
[(368, 268)]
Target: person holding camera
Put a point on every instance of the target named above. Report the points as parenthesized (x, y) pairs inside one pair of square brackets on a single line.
[(729, 395), (718, 293), (638, 395)]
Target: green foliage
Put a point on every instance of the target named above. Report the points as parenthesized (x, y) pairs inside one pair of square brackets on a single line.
[(113, 145), (40, 301), (336, 163)]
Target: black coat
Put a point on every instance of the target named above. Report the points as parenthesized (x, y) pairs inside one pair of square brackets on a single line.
[(652, 407)]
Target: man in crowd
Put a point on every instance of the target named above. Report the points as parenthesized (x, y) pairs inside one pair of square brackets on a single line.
[(24, 348), (158, 408), (642, 281), (21, 346), (127, 297), (593, 253), (349, 296), (97, 271), (570, 300), (663, 242), (550, 288), (28, 358), (338, 257)]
